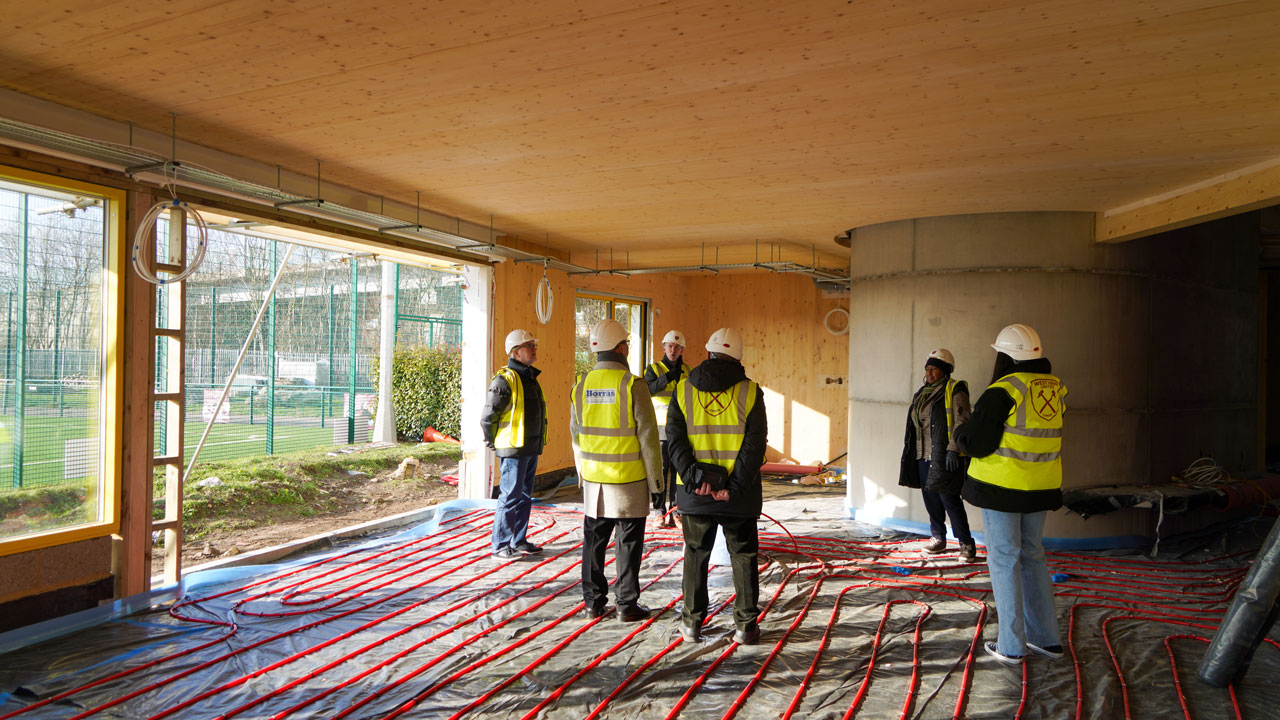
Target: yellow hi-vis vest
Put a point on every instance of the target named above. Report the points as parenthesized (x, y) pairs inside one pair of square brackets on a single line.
[(603, 409), (716, 422), (951, 419), (511, 424), (662, 398), (1030, 452)]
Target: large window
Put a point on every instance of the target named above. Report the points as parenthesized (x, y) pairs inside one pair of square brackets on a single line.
[(633, 313), (59, 294)]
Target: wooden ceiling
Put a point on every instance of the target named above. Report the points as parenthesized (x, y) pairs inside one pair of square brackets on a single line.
[(663, 125)]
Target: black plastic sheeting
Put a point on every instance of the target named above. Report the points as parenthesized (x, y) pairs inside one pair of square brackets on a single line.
[(429, 625), (1252, 614)]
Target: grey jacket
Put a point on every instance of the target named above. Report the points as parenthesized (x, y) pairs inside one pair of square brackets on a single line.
[(625, 500)]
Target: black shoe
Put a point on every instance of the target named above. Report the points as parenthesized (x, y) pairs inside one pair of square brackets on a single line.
[(1049, 651), (690, 633), (633, 613), (505, 553), (990, 647), (749, 636), (594, 613), (527, 548)]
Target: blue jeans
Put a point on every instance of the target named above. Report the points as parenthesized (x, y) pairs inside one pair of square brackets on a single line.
[(515, 498), (1020, 581)]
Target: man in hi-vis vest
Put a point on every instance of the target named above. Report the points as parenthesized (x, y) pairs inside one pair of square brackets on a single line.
[(716, 433), (661, 377), (514, 421), (1015, 439), (615, 449)]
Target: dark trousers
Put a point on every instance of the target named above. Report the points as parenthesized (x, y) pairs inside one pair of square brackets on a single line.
[(941, 506), (595, 540), (667, 499), (742, 539)]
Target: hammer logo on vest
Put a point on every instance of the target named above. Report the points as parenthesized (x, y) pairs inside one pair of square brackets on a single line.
[(1044, 399), (715, 403), (601, 397)]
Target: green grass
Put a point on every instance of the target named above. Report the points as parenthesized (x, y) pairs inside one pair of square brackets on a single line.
[(280, 488)]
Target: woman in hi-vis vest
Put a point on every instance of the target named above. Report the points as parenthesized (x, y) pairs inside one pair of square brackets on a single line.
[(1015, 440)]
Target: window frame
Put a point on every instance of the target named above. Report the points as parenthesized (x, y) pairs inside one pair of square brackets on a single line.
[(111, 410), (646, 305)]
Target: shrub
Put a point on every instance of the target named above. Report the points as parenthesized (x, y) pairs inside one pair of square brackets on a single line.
[(426, 387)]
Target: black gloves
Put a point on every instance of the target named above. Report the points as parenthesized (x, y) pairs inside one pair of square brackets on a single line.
[(656, 498), (953, 461), (674, 373)]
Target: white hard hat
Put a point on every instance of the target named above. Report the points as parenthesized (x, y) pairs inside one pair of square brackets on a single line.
[(1019, 342), (606, 335), (516, 338), (674, 336), (726, 341), (942, 354)]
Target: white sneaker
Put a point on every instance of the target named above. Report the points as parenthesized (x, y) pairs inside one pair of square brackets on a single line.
[(1014, 660)]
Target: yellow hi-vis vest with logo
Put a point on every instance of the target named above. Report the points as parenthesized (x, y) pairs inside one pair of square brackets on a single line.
[(1030, 452), (511, 424), (662, 398), (603, 409), (716, 422)]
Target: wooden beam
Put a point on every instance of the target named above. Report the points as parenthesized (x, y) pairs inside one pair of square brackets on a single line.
[(1251, 188), (132, 562)]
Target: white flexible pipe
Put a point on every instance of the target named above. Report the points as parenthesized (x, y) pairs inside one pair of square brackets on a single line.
[(148, 223), (826, 321), (544, 300)]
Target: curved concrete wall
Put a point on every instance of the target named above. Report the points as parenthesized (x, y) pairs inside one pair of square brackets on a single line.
[(1111, 317)]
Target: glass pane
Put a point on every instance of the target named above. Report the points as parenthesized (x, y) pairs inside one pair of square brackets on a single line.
[(586, 313), (631, 315), (51, 271)]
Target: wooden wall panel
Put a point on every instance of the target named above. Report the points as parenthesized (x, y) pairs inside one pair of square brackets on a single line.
[(514, 287), (780, 317)]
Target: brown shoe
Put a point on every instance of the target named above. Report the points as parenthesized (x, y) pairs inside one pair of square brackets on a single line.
[(968, 552), (935, 546)]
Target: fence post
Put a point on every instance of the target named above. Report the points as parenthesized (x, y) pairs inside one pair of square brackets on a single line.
[(271, 356), (20, 343), (57, 346), (213, 338), (325, 395), (355, 325), (8, 347)]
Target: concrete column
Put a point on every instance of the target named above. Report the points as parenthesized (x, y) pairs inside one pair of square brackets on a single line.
[(1104, 313)]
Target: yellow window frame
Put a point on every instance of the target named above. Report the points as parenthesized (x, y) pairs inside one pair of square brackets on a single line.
[(112, 407)]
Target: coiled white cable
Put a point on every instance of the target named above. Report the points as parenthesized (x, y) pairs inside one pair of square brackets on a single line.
[(1206, 471), (544, 300), (148, 224), (826, 321)]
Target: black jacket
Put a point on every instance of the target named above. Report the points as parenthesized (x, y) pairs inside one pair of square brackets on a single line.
[(940, 480), (535, 410), (745, 493), (981, 436)]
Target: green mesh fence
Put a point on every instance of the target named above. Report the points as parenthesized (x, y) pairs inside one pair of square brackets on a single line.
[(51, 273), (305, 382)]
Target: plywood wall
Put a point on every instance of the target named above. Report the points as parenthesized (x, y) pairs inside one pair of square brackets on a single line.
[(780, 316)]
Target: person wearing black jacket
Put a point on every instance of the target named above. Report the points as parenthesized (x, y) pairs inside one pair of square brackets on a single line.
[(514, 422), (1015, 440), (931, 459), (717, 399), (661, 378)]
